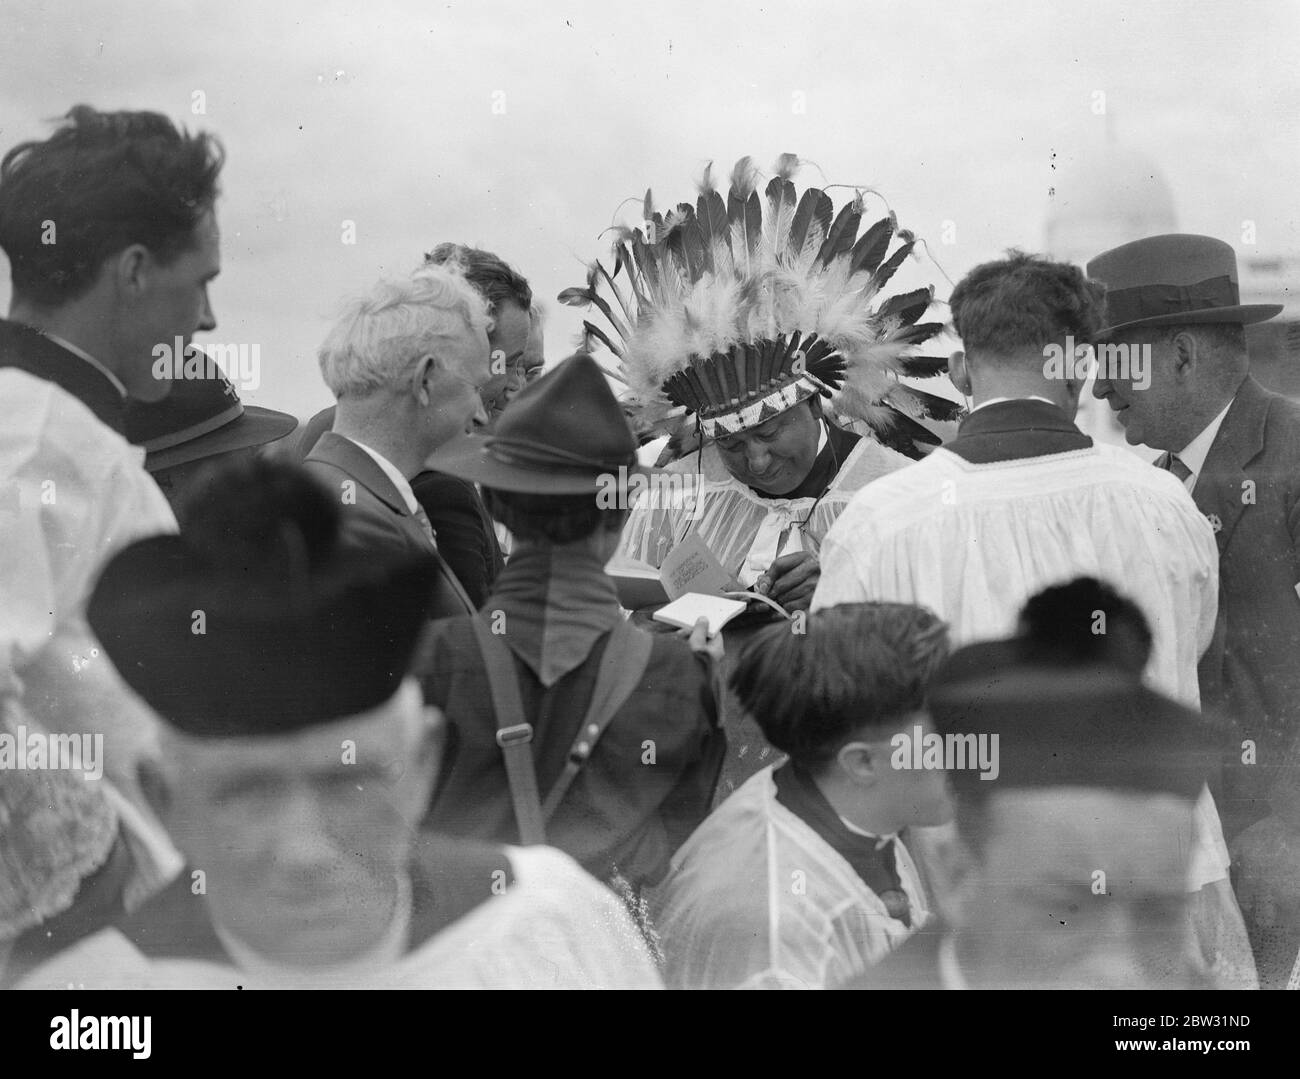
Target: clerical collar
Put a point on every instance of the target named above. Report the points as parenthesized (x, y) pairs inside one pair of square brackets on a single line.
[(84, 355), (387, 951), (871, 857)]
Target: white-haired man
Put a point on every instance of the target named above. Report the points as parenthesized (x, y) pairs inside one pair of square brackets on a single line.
[(406, 363)]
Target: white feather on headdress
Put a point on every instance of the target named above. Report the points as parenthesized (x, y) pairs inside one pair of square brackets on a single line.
[(715, 305)]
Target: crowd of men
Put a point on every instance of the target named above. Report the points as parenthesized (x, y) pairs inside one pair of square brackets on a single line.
[(374, 712)]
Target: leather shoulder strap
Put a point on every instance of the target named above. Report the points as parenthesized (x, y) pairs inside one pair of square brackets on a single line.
[(621, 668), (514, 733)]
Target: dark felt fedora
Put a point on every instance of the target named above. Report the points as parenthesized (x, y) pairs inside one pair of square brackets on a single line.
[(200, 417), (1173, 279), (559, 436)]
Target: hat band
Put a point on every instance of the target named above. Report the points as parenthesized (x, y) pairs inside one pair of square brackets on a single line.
[(195, 430), (735, 420), (1149, 301), (541, 457)]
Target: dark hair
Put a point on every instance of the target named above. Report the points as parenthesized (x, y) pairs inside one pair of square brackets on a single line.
[(551, 518), (1085, 621), (857, 665), (104, 181), (492, 277), (1025, 301)]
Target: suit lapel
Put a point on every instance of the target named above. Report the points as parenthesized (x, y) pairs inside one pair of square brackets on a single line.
[(1220, 485), (334, 449), (343, 453)]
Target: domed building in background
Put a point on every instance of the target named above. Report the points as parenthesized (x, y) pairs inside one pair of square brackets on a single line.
[(1107, 197), (1108, 194)]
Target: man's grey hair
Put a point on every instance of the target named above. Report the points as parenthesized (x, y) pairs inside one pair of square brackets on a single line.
[(381, 336)]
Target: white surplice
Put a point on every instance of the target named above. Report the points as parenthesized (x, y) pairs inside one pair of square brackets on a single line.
[(555, 927), (73, 492), (757, 899), (744, 530), (974, 542)]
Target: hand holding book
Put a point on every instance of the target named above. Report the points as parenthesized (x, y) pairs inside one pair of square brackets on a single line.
[(791, 580)]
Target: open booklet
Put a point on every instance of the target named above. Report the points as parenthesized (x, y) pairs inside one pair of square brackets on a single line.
[(693, 579)]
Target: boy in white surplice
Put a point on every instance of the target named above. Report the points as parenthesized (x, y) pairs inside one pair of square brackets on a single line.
[(802, 878)]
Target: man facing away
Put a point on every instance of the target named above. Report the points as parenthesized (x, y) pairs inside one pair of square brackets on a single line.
[(803, 878), (298, 757), (1021, 499), (619, 726), (111, 234), (406, 363)]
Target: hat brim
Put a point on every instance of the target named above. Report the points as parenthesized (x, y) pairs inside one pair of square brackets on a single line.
[(256, 426), (1242, 313), (469, 458)]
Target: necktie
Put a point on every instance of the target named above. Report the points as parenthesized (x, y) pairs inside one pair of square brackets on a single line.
[(1173, 463), (422, 519)]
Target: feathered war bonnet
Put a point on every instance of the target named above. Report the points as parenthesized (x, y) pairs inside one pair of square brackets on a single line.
[(734, 310)]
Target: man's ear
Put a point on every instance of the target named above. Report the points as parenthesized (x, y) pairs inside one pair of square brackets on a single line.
[(959, 373), (860, 761), (423, 371), (1185, 353), (154, 786), (130, 269)]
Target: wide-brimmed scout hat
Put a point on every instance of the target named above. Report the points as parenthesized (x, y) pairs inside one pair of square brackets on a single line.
[(559, 436), (1174, 279), (201, 417)]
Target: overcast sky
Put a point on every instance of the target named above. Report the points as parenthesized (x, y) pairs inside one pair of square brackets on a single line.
[(521, 127)]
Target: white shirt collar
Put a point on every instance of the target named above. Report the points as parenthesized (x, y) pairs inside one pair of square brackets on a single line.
[(1194, 453), (999, 400), (83, 354), (881, 840), (390, 470)]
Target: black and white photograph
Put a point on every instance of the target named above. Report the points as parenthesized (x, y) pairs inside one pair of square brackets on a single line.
[(638, 494)]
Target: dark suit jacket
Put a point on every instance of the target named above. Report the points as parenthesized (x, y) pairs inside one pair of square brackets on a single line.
[(455, 509), (465, 535), (375, 516), (1250, 486)]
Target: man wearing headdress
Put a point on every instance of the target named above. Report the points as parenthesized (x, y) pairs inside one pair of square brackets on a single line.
[(747, 326)]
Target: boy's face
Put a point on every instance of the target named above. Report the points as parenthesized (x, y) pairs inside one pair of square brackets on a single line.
[(899, 797)]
